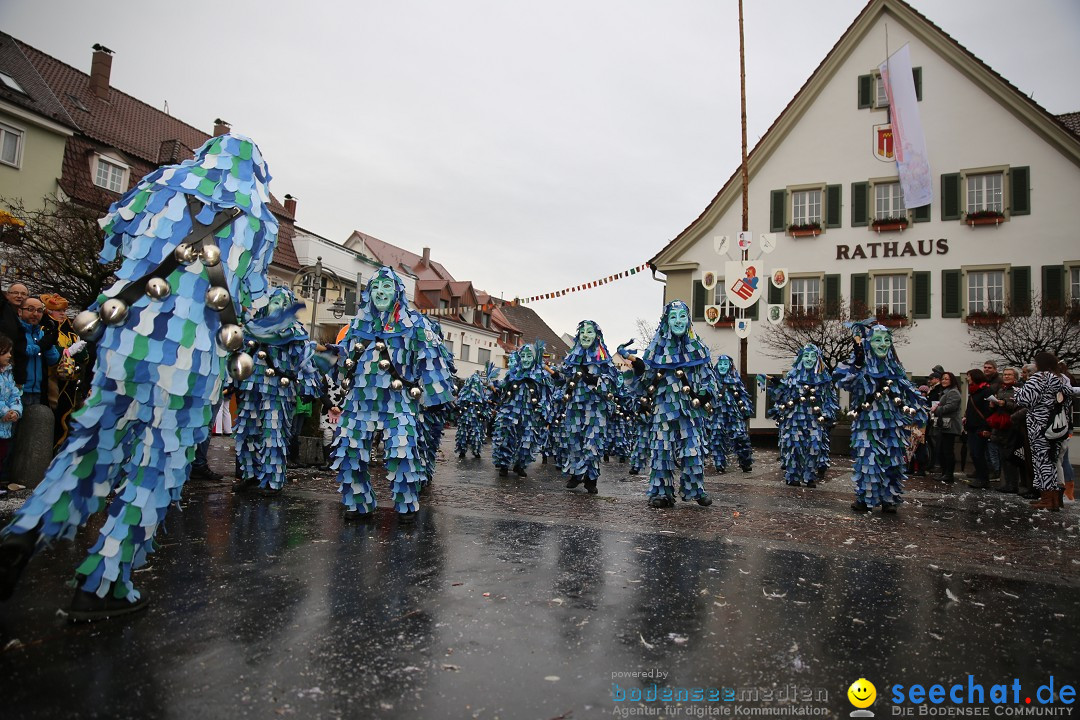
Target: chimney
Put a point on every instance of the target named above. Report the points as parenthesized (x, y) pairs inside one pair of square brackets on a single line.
[(426, 260), (290, 205), (221, 127), (100, 69)]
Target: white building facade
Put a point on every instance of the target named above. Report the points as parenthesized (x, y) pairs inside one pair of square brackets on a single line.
[(990, 149)]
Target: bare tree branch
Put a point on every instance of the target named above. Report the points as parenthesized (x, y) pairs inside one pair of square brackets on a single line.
[(1015, 338)]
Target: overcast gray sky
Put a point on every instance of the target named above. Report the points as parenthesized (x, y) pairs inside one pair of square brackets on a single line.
[(531, 145)]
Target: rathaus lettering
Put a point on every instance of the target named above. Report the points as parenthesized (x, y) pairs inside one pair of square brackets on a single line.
[(892, 249)]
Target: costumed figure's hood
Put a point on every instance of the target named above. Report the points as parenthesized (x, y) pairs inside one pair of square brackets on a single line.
[(799, 373), (536, 372), (731, 377), (578, 355), (671, 351), (397, 320), (287, 331), (886, 367), (491, 373), (145, 226)]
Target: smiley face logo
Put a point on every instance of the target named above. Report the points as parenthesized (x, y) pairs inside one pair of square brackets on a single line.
[(862, 693)]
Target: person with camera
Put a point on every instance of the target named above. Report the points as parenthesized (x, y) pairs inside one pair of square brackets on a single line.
[(978, 427)]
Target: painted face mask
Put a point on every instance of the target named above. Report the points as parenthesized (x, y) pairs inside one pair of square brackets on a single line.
[(809, 359), (880, 342), (527, 357), (723, 365), (678, 320), (587, 335), (278, 302), (382, 293)]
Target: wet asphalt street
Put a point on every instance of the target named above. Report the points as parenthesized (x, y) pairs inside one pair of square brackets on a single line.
[(516, 598)]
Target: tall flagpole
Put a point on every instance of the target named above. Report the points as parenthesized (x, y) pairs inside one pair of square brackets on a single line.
[(745, 176)]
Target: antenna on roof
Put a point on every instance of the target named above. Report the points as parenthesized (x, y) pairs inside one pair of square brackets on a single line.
[(166, 107)]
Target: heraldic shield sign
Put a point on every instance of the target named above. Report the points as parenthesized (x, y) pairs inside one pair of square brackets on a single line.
[(742, 327), (742, 282), (883, 142)]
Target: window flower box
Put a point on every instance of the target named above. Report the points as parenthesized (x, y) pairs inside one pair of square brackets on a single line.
[(984, 318), (802, 321), (893, 321), (890, 224), (984, 217), (805, 230)]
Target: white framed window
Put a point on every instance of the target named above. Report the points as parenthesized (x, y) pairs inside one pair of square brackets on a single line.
[(720, 299), (881, 97), (465, 352), (307, 288), (110, 174), (12, 83), (985, 191), (483, 356), (888, 201), (804, 294), (449, 346), (891, 294), (11, 145), (985, 291), (806, 206), (1074, 285)]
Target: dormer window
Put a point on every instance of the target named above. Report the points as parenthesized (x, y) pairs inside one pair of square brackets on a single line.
[(110, 174), (12, 83)]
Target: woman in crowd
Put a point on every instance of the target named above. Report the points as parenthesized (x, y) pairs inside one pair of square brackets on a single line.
[(977, 425), (1045, 395), (947, 414)]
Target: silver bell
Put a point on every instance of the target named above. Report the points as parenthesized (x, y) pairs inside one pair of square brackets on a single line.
[(573, 384), (817, 409), (231, 337), (350, 363), (158, 288), (346, 384), (218, 298), (241, 366), (270, 372), (565, 397), (652, 388), (252, 343), (695, 403), (384, 364), (88, 325), (802, 398), (396, 384), (113, 312), (284, 382), (415, 393), (898, 400), (261, 354), (821, 418), (210, 255), (877, 394), (791, 403), (185, 253), (380, 345), (535, 401), (686, 389)]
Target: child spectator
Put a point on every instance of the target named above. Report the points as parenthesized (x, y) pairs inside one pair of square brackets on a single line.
[(10, 400)]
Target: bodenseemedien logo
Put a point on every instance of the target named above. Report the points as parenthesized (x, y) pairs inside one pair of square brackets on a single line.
[(862, 694)]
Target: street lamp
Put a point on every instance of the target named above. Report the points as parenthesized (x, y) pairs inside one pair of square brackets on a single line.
[(338, 309), (307, 283)]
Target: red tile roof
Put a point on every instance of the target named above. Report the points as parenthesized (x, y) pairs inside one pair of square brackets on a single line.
[(1071, 121), (37, 98), (394, 257), (534, 328)]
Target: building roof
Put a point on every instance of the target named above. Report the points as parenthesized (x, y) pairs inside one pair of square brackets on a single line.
[(38, 98), (1053, 129), (534, 328), (395, 257), (1071, 121)]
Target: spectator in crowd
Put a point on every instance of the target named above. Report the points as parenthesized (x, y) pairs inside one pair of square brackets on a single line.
[(69, 379), (11, 327), (978, 429), (1066, 464), (1004, 433), (993, 379), (1040, 396), (40, 354), (933, 381), (947, 416), (10, 401)]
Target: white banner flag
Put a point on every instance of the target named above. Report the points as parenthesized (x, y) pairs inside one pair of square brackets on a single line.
[(909, 144)]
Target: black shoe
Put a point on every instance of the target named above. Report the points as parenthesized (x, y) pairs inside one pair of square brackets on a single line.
[(978, 484), (407, 518), (721, 469), (357, 516), (15, 552), (859, 506), (746, 468), (502, 472), (1030, 494), (590, 487), (622, 459), (704, 500), (520, 471), (811, 484), (606, 458), (1006, 489), (88, 607), (461, 455), (574, 481), (948, 479), (634, 471), (475, 455), (203, 472), (270, 491), (821, 472), (245, 485), (662, 501), (888, 508), (543, 460)]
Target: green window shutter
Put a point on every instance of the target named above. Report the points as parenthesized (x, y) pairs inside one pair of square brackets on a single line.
[(866, 91), (860, 308), (1020, 191), (776, 295), (1020, 290), (921, 213), (778, 211), (1053, 289), (752, 311), (833, 201), (698, 307), (832, 296), (920, 308), (950, 294), (860, 204), (916, 75), (950, 196)]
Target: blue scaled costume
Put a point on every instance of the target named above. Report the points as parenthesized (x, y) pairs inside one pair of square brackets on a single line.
[(266, 401), (393, 367), (433, 416), (194, 241), (522, 415), (805, 407), (728, 431), (677, 388), (473, 406), (884, 408), (588, 404)]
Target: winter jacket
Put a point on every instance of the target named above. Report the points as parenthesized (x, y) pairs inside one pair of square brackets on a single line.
[(948, 411), (978, 408), (10, 399), (39, 356)]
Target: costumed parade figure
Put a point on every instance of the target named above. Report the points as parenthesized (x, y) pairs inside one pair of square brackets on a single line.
[(473, 406), (728, 422), (522, 415), (266, 401), (884, 407), (195, 240), (393, 366), (621, 428), (805, 408), (588, 398), (433, 417), (678, 387)]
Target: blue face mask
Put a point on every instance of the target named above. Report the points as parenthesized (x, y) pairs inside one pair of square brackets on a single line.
[(809, 359), (587, 335), (678, 320), (880, 342), (723, 365), (527, 357), (382, 293)]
